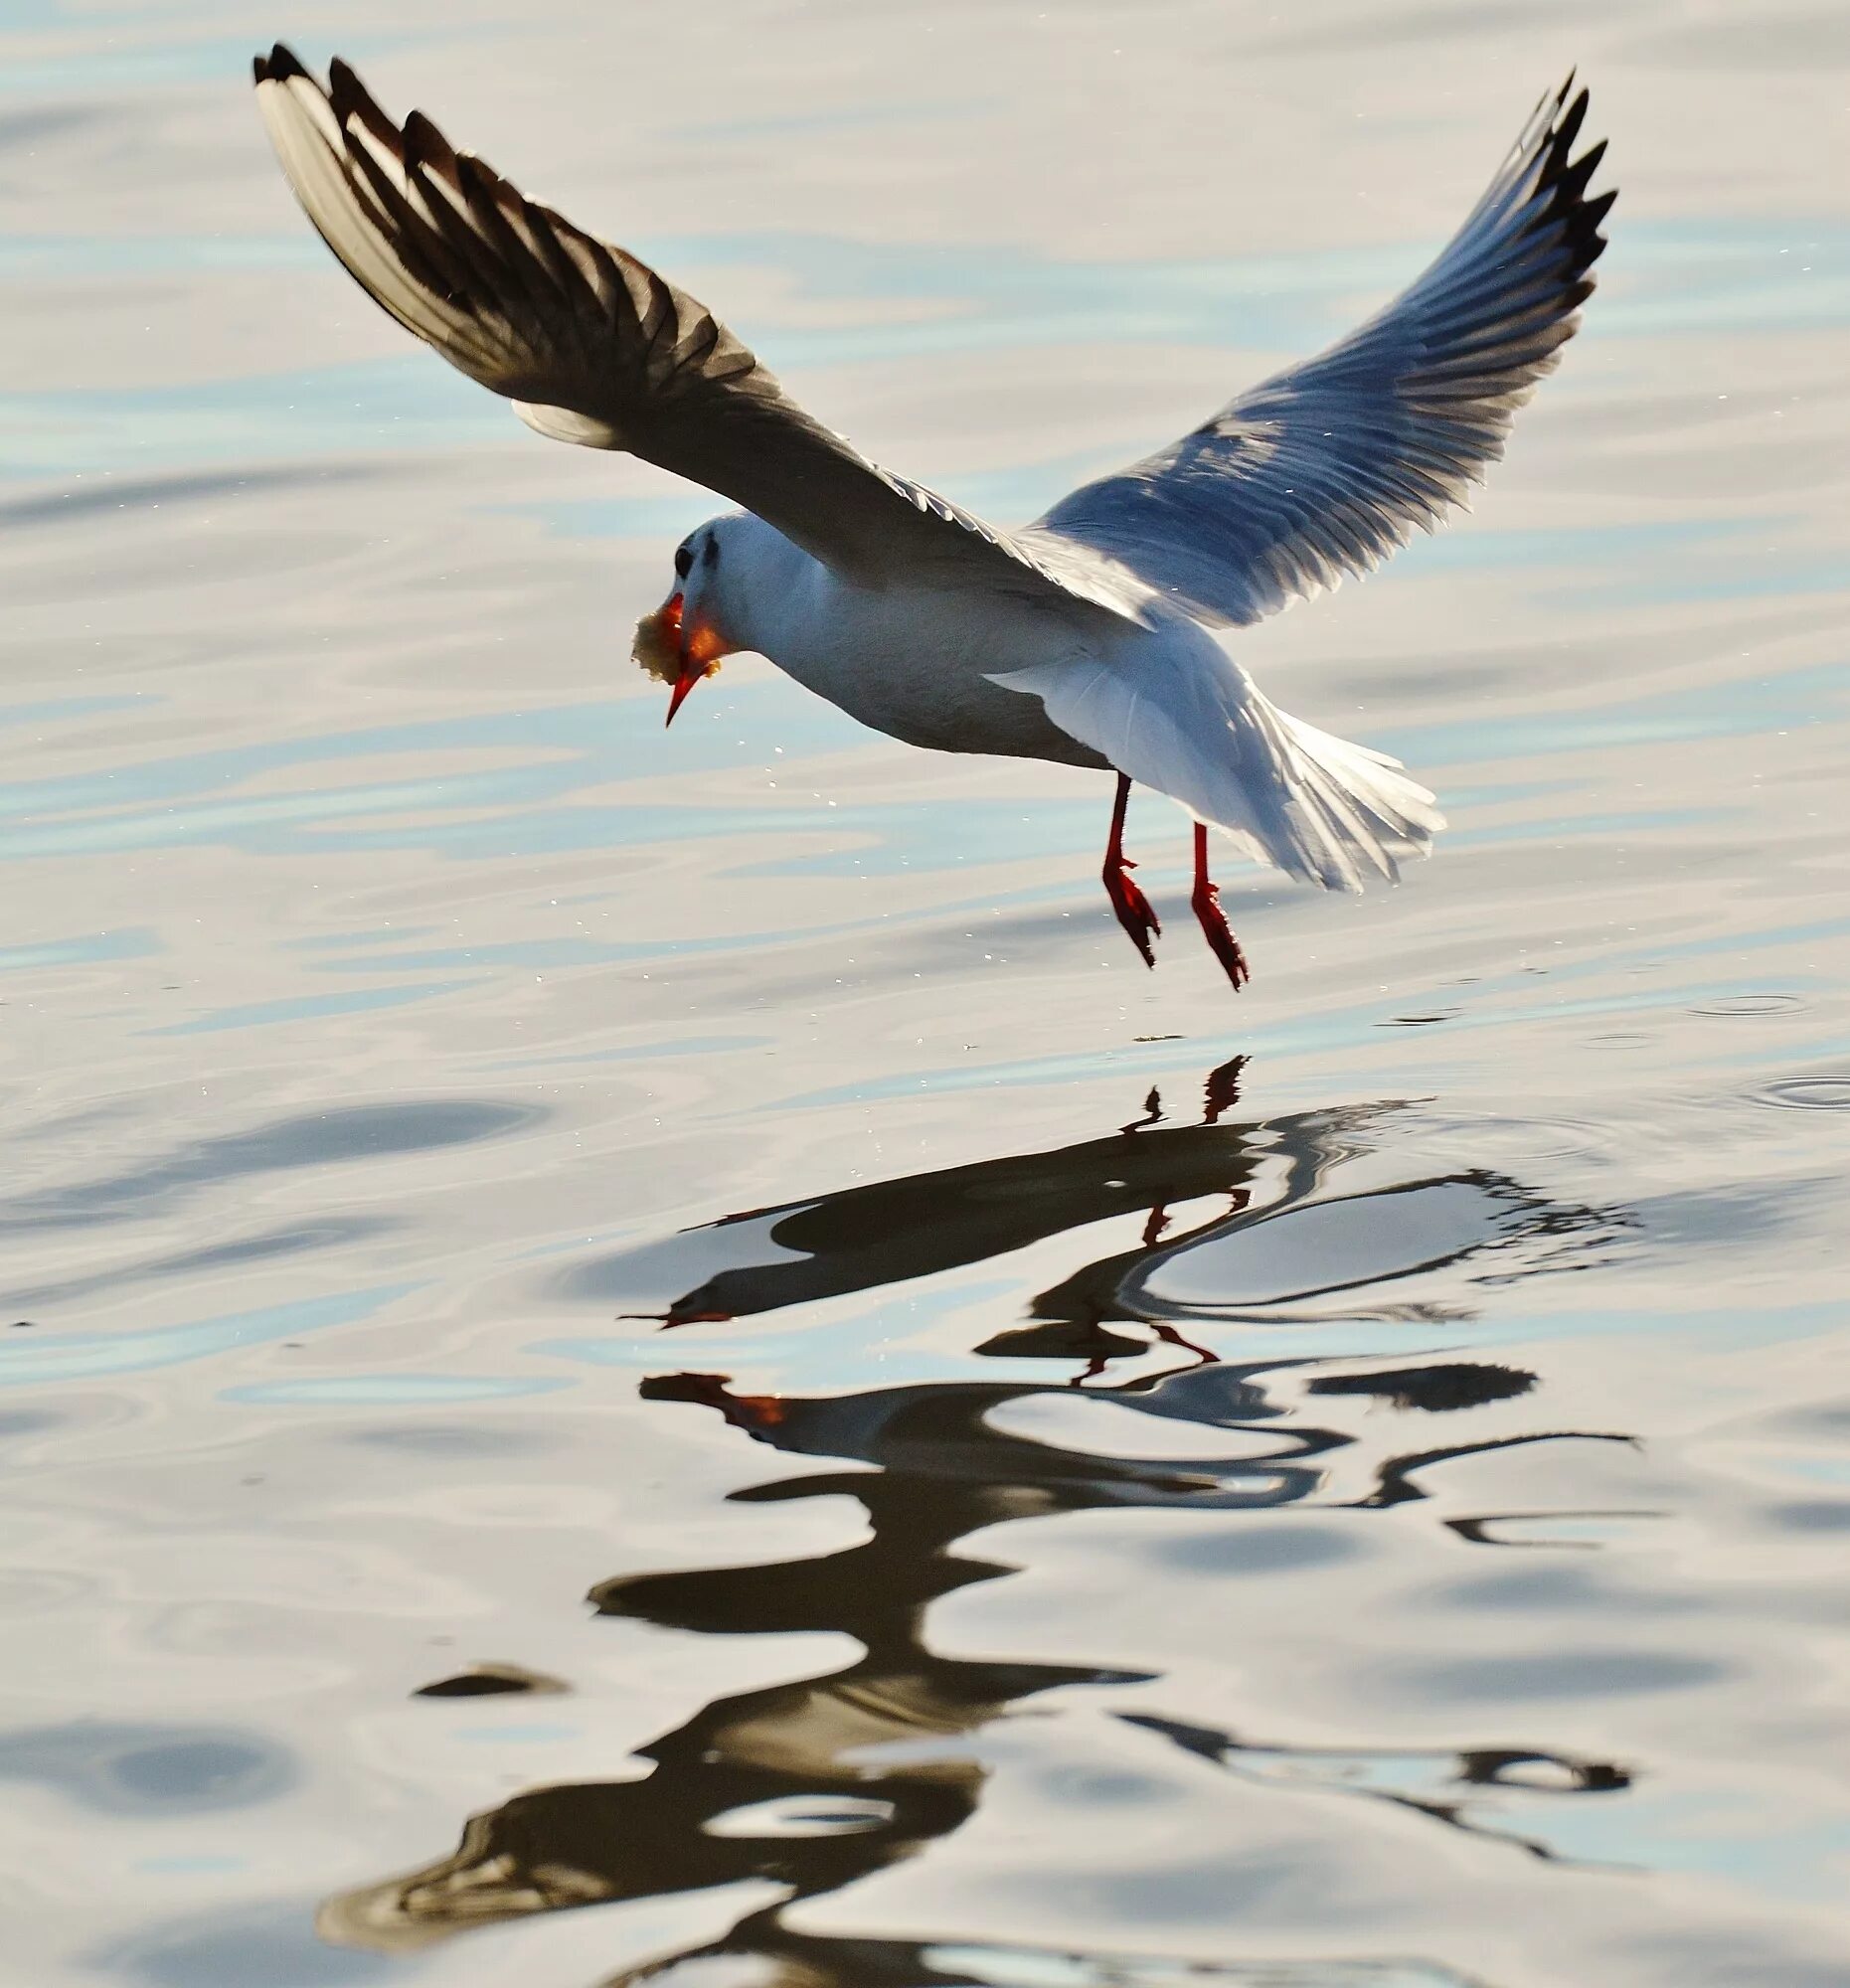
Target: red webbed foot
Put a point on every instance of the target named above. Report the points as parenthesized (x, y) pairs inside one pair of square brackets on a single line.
[(1212, 919)]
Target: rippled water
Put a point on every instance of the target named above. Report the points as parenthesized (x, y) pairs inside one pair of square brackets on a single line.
[(641, 1353)]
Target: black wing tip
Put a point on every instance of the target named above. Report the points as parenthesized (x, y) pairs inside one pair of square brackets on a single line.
[(1564, 178), (1568, 121), (348, 93), (422, 137), (276, 67)]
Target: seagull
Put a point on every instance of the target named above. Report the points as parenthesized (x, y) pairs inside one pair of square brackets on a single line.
[(1093, 637)]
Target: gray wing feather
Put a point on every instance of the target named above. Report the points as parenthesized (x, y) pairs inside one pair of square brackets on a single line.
[(1326, 469)]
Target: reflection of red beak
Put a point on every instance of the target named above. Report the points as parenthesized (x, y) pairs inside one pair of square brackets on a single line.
[(751, 1412)]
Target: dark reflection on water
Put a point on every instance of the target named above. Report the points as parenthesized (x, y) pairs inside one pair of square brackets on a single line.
[(888, 1232), (490, 1681), (1273, 1247), (1449, 1779), (813, 1784)]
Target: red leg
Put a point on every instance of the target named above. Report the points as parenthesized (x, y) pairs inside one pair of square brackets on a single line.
[(1206, 906), (1130, 905)]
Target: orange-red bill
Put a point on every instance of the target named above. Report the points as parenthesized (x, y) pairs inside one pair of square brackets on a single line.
[(684, 683), (700, 649)]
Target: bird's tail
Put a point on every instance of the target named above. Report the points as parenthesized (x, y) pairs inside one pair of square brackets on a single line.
[(1333, 810), (1196, 728)]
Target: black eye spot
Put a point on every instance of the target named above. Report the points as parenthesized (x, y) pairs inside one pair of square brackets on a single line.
[(683, 561), (710, 552)]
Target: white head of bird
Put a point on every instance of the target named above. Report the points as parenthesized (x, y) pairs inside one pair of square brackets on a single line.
[(707, 616)]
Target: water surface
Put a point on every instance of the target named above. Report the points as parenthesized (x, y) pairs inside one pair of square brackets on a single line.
[(627, 1353)]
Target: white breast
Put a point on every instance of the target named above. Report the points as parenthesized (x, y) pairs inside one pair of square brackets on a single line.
[(915, 663)]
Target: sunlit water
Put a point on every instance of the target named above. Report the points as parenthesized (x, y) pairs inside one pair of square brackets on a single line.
[(643, 1352)]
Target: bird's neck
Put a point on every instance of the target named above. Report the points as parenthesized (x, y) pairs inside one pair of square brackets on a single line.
[(774, 594)]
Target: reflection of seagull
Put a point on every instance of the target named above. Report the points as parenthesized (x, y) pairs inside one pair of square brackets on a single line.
[(1240, 1227), (1451, 1779), (1086, 638), (882, 1232), (811, 1784)]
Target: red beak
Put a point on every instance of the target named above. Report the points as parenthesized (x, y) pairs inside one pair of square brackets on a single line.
[(684, 683), (698, 648)]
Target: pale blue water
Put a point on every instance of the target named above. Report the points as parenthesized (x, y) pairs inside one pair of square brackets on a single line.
[(981, 1464)]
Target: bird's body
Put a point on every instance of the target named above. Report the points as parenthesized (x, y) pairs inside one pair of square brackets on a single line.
[(1093, 638), (914, 662), (934, 666)]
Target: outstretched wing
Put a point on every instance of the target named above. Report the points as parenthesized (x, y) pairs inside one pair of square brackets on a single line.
[(1328, 467), (593, 347)]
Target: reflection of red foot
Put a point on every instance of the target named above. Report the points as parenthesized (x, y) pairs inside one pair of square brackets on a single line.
[(1223, 1090), (1152, 1114), (1206, 903), (1158, 1222), (1129, 902), (1172, 1337)]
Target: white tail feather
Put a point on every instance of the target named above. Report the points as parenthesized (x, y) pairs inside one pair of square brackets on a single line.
[(1194, 728)]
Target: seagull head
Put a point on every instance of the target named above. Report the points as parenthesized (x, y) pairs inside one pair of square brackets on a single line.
[(685, 638)]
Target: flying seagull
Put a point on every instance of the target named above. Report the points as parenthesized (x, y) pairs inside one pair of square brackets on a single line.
[(1091, 637)]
